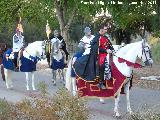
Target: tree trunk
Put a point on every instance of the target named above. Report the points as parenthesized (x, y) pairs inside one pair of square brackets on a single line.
[(64, 21), (65, 35)]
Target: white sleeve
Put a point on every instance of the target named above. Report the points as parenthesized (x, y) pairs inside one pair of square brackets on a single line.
[(82, 40)]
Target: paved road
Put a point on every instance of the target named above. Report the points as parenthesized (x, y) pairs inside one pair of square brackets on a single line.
[(98, 111)]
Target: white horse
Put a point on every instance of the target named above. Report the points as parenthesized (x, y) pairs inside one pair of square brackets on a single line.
[(129, 53), (57, 61), (32, 53)]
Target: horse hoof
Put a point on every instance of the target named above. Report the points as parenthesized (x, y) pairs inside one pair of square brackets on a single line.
[(117, 115), (10, 88), (27, 89), (34, 89), (102, 101), (54, 82), (130, 112)]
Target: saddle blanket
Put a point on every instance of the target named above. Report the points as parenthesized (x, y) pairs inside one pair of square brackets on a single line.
[(86, 88)]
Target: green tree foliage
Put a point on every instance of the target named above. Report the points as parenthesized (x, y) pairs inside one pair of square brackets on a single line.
[(63, 13), (34, 15)]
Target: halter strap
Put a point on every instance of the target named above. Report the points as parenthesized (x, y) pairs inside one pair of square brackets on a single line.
[(143, 51), (129, 63)]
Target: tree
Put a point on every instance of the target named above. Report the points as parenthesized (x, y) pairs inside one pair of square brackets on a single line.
[(66, 10), (33, 13), (131, 16)]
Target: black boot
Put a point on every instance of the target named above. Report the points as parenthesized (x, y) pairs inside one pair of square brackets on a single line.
[(101, 85)]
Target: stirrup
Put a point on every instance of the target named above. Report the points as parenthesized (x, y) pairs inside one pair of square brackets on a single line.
[(101, 86)]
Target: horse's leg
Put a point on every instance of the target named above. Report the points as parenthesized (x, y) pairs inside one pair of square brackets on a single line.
[(59, 72), (127, 97), (27, 80), (33, 85), (74, 86), (54, 77), (8, 75), (68, 78), (62, 74), (116, 106)]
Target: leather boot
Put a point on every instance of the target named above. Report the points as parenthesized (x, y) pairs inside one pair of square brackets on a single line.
[(101, 85)]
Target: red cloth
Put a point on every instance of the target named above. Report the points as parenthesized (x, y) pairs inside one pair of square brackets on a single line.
[(90, 88), (103, 45), (135, 65)]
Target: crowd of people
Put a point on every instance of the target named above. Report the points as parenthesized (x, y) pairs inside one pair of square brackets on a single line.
[(92, 54)]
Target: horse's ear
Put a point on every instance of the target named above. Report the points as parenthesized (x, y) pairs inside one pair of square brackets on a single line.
[(44, 41)]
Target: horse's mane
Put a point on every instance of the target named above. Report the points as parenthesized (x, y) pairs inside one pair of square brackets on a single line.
[(33, 47), (34, 44), (124, 50)]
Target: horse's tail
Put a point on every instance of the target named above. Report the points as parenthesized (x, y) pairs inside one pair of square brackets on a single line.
[(2, 72), (68, 76)]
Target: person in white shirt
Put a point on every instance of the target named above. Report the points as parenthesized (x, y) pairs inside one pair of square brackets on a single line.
[(18, 43), (85, 41)]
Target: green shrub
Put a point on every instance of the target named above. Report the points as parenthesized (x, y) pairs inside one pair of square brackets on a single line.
[(70, 107), (5, 110), (43, 89), (156, 52), (147, 113), (62, 106)]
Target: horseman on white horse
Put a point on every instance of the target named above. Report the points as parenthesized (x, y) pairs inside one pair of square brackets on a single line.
[(121, 68), (28, 58)]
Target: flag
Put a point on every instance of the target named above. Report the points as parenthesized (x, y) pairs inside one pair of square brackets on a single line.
[(48, 30), (19, 26)]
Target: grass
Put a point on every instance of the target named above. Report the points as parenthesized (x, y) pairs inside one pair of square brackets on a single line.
[(62, 106), (156, 52), (147, 113)]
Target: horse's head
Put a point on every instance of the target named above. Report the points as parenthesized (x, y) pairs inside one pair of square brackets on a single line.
[(145, 53), (40, 49)]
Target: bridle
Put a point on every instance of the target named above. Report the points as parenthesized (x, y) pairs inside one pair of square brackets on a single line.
[(145, 54)]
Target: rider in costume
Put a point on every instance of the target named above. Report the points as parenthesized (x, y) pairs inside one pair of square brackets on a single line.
[(84, 46), (18, 44), (91, 67), (63, 47)]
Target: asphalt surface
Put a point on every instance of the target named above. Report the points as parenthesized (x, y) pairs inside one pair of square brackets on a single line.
[(139, 97)]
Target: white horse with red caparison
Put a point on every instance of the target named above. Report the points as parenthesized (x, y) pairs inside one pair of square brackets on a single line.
[(31, 55), (129, 52)]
